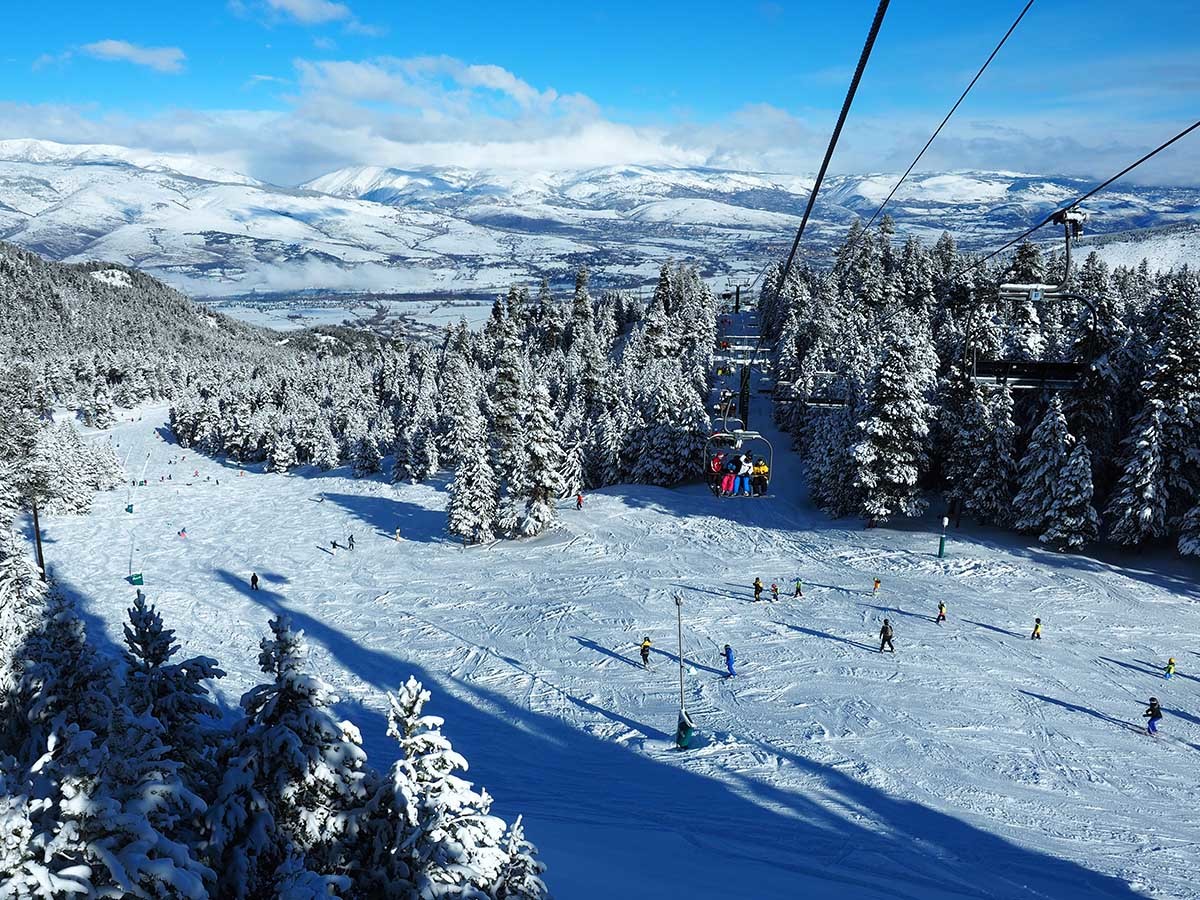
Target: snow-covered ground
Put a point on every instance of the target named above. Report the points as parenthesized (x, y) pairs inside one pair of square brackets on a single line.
[(973, 763)]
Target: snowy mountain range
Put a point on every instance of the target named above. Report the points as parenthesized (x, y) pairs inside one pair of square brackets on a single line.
[(214, 232)]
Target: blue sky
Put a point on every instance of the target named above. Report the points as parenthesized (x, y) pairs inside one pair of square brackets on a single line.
[(288, 89)]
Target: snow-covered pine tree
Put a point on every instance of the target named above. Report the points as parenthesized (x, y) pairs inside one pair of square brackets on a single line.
[(433, 835), (519, 876), (471, 509), (1189, 532), (294, 778), (891, 455), (1072, 521), (1041, 469), (1137, 510), (174, 694), (992, 483), (542, 482)]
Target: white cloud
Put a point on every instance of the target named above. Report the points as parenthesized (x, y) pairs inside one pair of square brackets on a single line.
[(161, 59), (442, 111), (313, 12)]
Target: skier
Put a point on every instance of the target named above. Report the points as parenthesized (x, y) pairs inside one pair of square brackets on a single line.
[(941, 616), (799, 589), (1170, 669), (254, 581), (875, 589), (774, 592), (646, 652), (758, 589), (578, 501), (333, 547), (728, 654), (1154, 714), (350, 542), (140, 595), (885, 637), (183, 532), (397, 534), (1037, 630)]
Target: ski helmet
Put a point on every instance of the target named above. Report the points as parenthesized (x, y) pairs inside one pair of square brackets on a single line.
[(1153, 699)]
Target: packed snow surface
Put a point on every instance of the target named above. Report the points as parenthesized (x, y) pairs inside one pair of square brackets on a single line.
[(972, 763)]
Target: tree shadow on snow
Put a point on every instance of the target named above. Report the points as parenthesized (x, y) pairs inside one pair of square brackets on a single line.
[(791, 843), (386, 514)]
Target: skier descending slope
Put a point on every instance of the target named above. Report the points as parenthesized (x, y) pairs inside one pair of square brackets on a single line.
[(1154, 714), (1037, 630), (885, 637), (646, 652), (728, 655), (1170, 669), (758, 589), (941, 616), (799, 589), (774, 592)]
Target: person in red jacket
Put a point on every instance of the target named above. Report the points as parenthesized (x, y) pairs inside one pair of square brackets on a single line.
[(579, 501)]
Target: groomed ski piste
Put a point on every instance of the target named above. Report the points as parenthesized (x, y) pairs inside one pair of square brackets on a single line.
[(971, 763)]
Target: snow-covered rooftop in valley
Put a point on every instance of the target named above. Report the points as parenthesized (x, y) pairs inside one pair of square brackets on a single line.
[(973, 762)]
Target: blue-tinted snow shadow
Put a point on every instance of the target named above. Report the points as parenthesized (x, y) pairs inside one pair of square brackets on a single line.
[(812, 632), (994, 628), (386, 514), (530, 760), (785, 842), (896, 611)]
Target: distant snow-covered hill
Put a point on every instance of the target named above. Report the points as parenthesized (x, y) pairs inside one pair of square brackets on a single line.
[(215, 232)]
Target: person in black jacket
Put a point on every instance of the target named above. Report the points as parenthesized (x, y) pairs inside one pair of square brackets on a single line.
[(254, 581), (885, 637), (1154, 714)]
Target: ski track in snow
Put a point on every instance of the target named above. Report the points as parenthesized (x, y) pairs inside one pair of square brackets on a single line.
[(973, 763)]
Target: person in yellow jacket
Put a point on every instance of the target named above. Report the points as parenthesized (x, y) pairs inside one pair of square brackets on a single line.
[(758, 477), (1170, 669), (1037, 630), (646, 652)]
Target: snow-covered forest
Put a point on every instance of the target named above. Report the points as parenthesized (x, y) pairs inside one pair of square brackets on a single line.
[(873, 363), (123, 774)]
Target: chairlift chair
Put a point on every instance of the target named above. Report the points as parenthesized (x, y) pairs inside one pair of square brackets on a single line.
[(1035, 374)]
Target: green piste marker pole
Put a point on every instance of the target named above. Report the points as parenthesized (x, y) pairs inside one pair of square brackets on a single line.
[(942, 542)]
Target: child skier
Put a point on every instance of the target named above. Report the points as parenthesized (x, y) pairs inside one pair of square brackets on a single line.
[(646, 652), (728, 654), (1037, 630), (254, 581), (774, 592), (1170, 669), (885, 637), (397, 535), (799, 589), (758, 589), (941, 616), (875, 589), (350, 542), (1154, 714), (579, 501)]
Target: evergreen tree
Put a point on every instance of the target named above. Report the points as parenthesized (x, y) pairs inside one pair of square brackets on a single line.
[(542, 482), (471, 509), (294, 779), (1138, 508), (891, 455), (1072, 521), (991, 485), (1041, 470)]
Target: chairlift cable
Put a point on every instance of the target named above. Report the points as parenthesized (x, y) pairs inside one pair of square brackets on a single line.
[(953, 109), (1097, 189), (837, 131)]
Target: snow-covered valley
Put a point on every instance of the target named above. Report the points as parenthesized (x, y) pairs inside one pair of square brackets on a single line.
[(972, 763), (218, 233)]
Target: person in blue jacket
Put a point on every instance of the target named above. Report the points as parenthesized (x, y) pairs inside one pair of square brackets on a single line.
[(728, 654)]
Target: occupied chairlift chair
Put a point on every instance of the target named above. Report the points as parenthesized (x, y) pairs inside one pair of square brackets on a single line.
[(1032, 374), (731, 435)]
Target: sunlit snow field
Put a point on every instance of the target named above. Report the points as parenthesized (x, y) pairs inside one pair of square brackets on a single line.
[(972, 763)]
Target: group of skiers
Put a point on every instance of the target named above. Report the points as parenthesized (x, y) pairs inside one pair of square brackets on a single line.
[(726, 655), (738, 475)]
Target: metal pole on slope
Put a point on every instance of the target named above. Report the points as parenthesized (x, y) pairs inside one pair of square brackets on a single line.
[(685, 727), (942, 542), (679, 628)]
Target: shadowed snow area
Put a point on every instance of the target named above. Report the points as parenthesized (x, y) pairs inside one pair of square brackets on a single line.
[(972, 763)]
